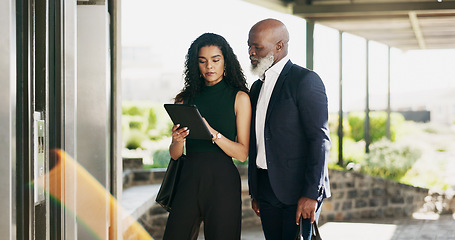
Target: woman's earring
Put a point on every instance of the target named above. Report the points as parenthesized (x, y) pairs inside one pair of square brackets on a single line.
[(200, 75), (224, 72)]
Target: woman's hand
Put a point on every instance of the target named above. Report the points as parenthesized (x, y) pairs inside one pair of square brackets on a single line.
[(179, 135), (178, 140)]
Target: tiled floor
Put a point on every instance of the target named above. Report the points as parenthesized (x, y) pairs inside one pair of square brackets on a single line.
[(436, 228)]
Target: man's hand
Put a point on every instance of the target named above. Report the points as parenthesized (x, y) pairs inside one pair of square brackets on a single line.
[(306, 208), (255, 207)]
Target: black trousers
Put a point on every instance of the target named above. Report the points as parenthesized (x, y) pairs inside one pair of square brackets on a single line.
[(278, 219), (209, 190)]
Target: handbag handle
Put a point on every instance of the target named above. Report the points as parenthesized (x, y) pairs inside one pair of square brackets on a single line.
[(314, 232)]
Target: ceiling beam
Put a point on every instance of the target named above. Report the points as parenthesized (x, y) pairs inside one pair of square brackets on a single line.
[(276, 5), (417, 31), (305, 10)]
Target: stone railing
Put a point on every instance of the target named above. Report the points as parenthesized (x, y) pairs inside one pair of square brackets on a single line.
[(137, 177), (357, 196), (354, 196)]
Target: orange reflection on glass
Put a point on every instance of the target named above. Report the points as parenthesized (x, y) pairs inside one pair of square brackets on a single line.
[(91, 200)]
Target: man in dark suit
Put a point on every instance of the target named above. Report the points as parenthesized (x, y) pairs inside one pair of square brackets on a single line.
[(289, 140)]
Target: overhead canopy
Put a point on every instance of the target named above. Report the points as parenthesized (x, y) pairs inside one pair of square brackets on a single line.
[(403, 24)]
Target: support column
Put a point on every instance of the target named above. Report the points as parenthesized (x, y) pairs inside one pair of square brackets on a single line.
[(388, 134), (367, 108), (340, 113), (310, 44), (116, 169)]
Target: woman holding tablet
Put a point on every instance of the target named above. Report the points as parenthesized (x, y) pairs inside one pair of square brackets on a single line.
[(209, 188)]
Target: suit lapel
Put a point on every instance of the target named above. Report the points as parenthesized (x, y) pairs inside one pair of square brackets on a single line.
[(254, 93), (277, 88)]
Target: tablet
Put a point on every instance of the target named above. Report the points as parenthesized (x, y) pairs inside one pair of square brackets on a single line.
[(188, 116)]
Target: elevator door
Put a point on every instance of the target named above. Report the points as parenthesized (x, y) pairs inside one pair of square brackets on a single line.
[(32, 162), (65, 118)]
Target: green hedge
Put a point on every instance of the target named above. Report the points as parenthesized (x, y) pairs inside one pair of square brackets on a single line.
[(353, 152), (389, 160), (333, 125), (161, 158), (143, 117), (151, 119), (378, 121), (134, 139), (386, 160)]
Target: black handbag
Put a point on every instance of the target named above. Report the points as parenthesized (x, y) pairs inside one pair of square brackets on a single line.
[(168, 188), (315, 234)]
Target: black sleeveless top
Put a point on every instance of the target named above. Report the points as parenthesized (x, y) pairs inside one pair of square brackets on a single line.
[(216, 105)]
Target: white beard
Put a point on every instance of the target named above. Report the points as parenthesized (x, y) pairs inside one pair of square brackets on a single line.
[(263, 64)]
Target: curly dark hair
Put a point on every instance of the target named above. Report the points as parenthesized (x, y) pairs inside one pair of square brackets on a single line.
[(234, 76)]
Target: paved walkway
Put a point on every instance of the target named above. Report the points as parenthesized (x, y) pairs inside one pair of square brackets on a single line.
[(433, 228), (139, 199), (428, 227), (442, 228)]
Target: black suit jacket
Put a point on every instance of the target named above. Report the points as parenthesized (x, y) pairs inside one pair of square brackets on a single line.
[(296, 135)]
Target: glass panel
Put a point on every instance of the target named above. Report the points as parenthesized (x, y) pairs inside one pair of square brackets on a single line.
[(7, 119)]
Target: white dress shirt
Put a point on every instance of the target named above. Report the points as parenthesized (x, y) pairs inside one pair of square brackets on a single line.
[(271, 76)]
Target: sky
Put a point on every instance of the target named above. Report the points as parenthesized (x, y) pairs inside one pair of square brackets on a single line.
[(169, 27)]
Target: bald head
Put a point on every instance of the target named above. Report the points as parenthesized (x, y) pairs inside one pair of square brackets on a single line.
[(271, 34), (272, 27)]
